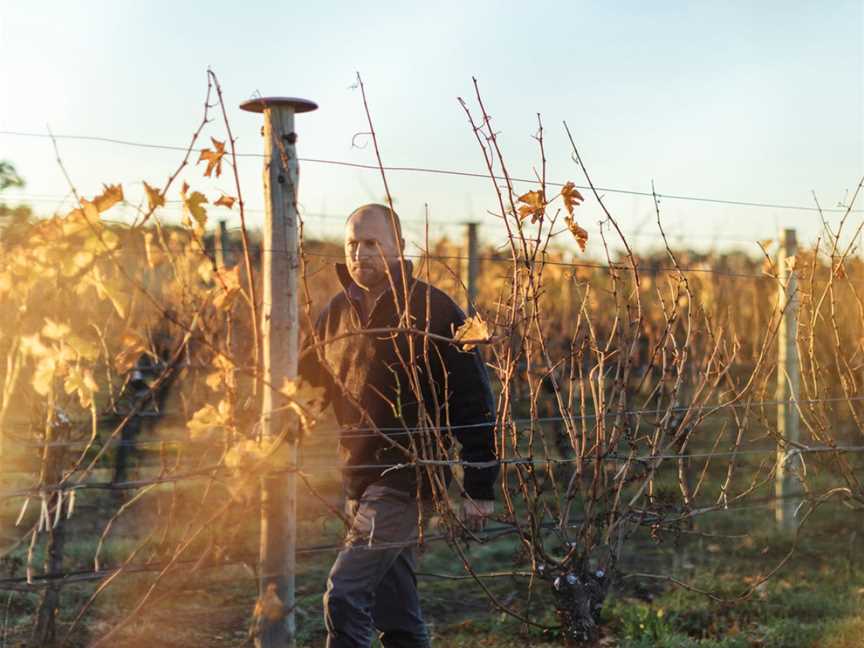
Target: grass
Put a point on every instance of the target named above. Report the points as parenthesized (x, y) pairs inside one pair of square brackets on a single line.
[(814, 602)]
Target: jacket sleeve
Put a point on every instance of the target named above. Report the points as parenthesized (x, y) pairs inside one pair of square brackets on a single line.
[(471, 410), (309, 367)]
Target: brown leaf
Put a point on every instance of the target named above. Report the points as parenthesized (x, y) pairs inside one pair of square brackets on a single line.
[(226, 201), (533, 205), (474, 329), (270, 606), (790, 263), (108, 198), (578, 232), (227, 286), (213, 158), (155, 198), (572, 198)]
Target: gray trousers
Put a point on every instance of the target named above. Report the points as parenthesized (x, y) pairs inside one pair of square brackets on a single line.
[(372, 585)]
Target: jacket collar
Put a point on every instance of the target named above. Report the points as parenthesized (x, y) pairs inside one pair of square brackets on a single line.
[(354, 292)]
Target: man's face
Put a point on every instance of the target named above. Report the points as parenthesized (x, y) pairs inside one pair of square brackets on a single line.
[(370, 244)]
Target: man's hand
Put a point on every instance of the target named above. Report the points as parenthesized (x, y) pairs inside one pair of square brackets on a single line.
[(475, 513)]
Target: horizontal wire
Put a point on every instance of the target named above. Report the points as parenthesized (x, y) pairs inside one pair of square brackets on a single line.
[(436, 222), (44, 489), (402, 431), (448, 172), (569, 264), (490, 533)]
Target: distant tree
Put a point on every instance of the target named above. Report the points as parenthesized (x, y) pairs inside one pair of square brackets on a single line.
[(9, 176), (11, 216)]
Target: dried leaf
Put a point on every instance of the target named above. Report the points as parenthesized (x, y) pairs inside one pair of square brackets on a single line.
[(108, 198), (572, 198), (43, 376), (209, 419), (213, 157), (227, 287), (81, 380), (205, 270), (55, 330), (226, 201), (533, 204), (269, 606), (244, 460), (306, 400), (473, 330), (790, 262), (578, 232), (155, 198), (192, 206), (133, 346)]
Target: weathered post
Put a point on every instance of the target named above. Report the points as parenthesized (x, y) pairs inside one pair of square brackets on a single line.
[(787, 384), (220, 244), (473, 266), (275, 621)]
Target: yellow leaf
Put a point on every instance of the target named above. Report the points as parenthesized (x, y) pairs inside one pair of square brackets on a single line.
[(208, 419), (55, 330), (533, 204), (82, 259), (155, 198), (74, 223), (571, 196), (31, 345), (192, 206), (109, 240), (226, 201), (81, 381), (83, 348), (472, 331), (205, 270), (790, 263), (43, 377), (244, 455), (766, 243), (104, 291), (213, 158), (579, 234), (214, 380)]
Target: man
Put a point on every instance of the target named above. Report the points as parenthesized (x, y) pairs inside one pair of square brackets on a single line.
[(384, 386)]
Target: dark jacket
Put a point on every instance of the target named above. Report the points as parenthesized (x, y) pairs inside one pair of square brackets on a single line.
[(453, 382)]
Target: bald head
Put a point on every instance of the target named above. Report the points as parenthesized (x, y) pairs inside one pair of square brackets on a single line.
[(373, 239)]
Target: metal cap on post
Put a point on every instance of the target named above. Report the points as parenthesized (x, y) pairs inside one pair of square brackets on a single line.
[(280, 267)]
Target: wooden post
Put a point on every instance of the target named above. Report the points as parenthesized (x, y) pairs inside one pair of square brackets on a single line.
[(788, 384), (280, 267), (473, 266), (220, 244)]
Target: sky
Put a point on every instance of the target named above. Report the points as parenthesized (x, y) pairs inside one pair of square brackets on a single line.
[(739, 101)]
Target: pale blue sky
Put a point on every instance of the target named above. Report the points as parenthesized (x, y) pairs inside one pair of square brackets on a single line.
[(751, 101)]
